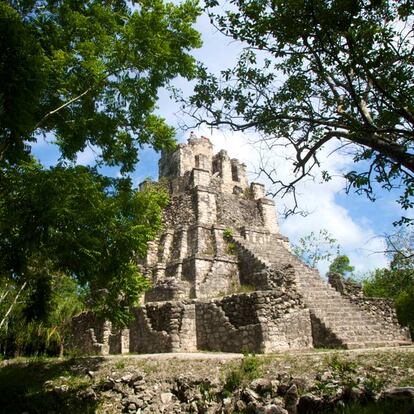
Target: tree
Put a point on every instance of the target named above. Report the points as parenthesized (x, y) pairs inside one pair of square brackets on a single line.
[(76, 222), (341, 265), (317, 71), (46, 335), (88, 73), (397, 284), (83, 74), (313, 248), (397, 281)]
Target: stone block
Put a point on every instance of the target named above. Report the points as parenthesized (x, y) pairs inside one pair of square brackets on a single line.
[(257, 190)]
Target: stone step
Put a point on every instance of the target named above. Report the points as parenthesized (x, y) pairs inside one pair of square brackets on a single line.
[(369, 344), (355, 336), (345, 317), (357, 332), (351, 326), (362, 331), (325, 304), (324, 300), (315, 296), (354, 345)]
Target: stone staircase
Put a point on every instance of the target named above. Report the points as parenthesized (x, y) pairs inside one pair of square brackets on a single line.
[(336, 322), (263, 273)]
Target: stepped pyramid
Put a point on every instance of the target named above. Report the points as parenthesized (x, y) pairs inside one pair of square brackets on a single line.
[(224, 278)]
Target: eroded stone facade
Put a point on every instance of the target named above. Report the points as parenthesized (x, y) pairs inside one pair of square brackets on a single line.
[(224, 278)]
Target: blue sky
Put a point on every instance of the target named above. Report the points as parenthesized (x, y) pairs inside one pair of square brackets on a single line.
[(353, 220)]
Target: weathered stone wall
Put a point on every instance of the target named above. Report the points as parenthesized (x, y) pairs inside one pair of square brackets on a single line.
[(231, 173), (344, 286), (197, 157), (256, 272), (197, 153), (180, 211), (193, 262), (168, 290), (234, 211), (216, 333), (323, 337), (169, 164), (119, 341), (238, 171), (200, 240), (92, 335), (286, 322), (197, 261), (258, 322), (381, 308), (205, 206), (221, 279), (268, 212), (192, 258), (164, 327), (179, 185), (290, 330), (144, 338)]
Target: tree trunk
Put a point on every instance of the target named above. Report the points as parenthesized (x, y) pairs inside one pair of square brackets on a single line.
[(61, 349), (3, 295), (12, 305)]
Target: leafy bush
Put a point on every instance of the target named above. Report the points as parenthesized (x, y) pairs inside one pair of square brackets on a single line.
[(248, 370), (342, 366), (227, 233), (373, 385), (396, 284)]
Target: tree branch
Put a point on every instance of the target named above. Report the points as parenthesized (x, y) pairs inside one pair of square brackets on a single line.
[(50, 113)]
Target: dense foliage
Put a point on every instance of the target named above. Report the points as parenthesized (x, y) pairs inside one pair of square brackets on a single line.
[(317, 71), (80, 74), (397, 281), (341, 264), (27, 330), (88, 73), (74, 221), (71, 236)]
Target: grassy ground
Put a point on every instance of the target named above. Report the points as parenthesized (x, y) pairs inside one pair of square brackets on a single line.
[(47, 385), (40, 385)]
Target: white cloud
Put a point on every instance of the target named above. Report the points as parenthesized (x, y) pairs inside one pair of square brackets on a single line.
[(357, 238)]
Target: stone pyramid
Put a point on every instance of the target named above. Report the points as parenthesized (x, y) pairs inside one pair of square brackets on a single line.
[(224, 278)]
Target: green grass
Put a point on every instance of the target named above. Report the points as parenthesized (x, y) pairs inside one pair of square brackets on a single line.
[(247, 370), (40, 385), (341, 366), (246, 289), (407, 382), (231, 248), (36, 385), (382, 407), (119, 364)]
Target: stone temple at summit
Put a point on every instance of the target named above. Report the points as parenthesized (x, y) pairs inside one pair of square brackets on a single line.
[(224, 278)]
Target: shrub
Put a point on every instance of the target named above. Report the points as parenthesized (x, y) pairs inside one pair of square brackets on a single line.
[(248, 370), (227, 233)]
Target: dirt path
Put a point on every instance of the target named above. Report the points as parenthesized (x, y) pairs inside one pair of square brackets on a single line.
[(220, 356)]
